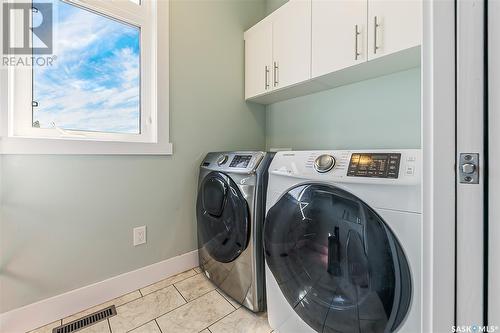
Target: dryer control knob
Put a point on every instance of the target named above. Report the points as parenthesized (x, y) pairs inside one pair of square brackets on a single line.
[(324, 163), (222, 159)]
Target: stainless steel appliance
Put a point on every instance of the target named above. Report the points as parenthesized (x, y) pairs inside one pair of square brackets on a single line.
[(230, 216)]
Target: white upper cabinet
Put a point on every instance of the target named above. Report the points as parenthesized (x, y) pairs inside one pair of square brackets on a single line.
[(258, 59), (307, 46), (339, 34), (393, 25), (291, 43)]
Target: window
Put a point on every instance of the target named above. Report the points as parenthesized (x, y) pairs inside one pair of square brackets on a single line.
[(95, 90), (95, 85)]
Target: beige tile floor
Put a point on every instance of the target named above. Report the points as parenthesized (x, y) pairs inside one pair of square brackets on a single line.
[(183, 303)]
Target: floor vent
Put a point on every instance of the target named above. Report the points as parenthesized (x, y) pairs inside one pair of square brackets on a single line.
[(86, 321)]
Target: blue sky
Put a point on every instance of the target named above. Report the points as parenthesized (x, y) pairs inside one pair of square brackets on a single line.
[(95, 84)]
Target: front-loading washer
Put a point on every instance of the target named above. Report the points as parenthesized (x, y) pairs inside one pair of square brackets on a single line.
[(230, 216), (343, 241)]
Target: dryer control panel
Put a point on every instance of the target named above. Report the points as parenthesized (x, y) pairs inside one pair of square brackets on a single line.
[(233, 162), (240, 161)]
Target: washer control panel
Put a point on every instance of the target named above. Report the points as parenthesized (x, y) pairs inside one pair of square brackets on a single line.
[(402, 166), (377, 165)]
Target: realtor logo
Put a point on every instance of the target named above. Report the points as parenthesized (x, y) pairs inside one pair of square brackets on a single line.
[(27, 28)]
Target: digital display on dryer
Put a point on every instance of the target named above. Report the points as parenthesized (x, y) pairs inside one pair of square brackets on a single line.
[(377, 165), (240, 161)]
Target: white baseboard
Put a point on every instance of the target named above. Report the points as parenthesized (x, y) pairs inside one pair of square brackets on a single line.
[(51, 309)]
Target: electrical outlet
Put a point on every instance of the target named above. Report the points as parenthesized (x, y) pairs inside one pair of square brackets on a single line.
[(140, 235)]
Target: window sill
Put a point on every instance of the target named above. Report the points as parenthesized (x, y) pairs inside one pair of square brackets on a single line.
[(28, 146)]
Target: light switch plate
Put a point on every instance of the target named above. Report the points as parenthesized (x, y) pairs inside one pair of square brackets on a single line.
[(139, 235)]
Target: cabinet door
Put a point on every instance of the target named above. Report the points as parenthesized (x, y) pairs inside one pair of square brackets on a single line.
[(258, 59), (338, 34), (292, 43), (393, 25)]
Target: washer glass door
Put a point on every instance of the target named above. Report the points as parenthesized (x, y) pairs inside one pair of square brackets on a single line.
[(336, 262), (223, 218)]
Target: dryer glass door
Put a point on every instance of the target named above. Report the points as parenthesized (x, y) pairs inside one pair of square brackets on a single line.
[(337, 263), (223, 218)]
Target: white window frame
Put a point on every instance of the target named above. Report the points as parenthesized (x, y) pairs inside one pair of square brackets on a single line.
[(17, 136)]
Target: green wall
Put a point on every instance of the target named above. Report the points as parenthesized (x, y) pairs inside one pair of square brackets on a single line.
[(378, 113), (66, 221), (272, 5)]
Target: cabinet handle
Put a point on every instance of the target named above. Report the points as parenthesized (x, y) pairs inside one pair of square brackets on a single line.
[(356, 35), (375, 28), (276, 70), (266, 84)]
